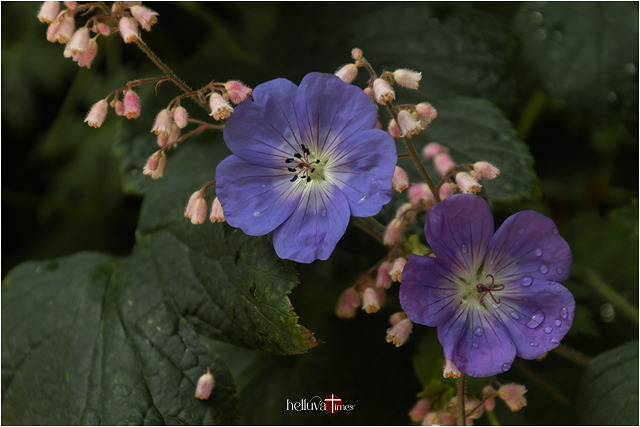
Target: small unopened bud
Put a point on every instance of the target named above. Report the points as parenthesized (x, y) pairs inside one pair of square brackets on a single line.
[(347, 73), (486, 170), (356, 53), (97, 114), (408, 124), (396, 269), (443, 163), (370, 301), (128, 29), (394, 129), (407, 78), (467, 183), (513, 396), (347, 303), (396, 317), (196, 209), (205, 385), (145, 16), (419, 192), (399, 333), (65, 29), (118, 106), (163, 123), (48, 11), (217, 214), (236, 91), (103, 29), (488, 395), (52, 30), (181, 117), (70, 4), (400, 180), (383, 279), (155, 165), (450, 370), (131, 105), (426, 113), (432, 149), (85, 59), (447, 190), (220, 107), (382, 91), (79, 41), (420, 409), (393, 233)]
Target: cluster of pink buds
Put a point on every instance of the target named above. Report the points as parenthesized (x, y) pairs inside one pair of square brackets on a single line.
[(129, 107), (421, 200), (81, 46), (196, 209), (221, 94)]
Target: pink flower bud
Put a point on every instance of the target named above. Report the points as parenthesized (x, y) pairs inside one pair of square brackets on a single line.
[(370, 301), (513, 396), (128, 29), (406, 213), (408, 124), (131, 105), (400, 180), (394, 129), (97, 114), (383, 92), (369, 92), (407, 78), (52, 30), (356, 53), (443, 163), (426, 112), (85, 59), (396, 269), (447, 190), (486, 170), (393, 233), (205, 386), (174, 136), (220, 108), (467, 183), (48, 11), (397, 317), (163, 122), (65, 29), (162, 140), (196, 209), (398, 334), (489, 394), (145, 16), (347, 303), (181, 117), (432, 149), (419, 191), (103, 29), (383, 279), (450, 370), (217, 214), (347, 73), (118, 106), (236, 91), (70, 4), (432, 419), (79, 41), (378, 125), (419, 410), (155, 165)]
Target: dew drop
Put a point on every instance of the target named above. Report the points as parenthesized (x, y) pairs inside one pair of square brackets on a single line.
[(630, 68), (526, 281), (464, 248), (564, 313), (557, 289), (557, 322), (548, 330), (536, 17), (555, 340), (540, 34), (538, 252), (478, 331), (362, 199), (256, 213), (521, 231), (543, 269), (506, 367), (559, 270), (514, 315), (555, 231), (536, 319), (533, 344), (263, 186), (475, 345), (323, 213)]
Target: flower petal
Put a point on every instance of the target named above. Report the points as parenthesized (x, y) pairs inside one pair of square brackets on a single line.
[(330, 111), (477, 342), (318, 222), (537, 316), (428, 291), (254, 198), (459, 229), (362, 167), (264, 131), (527, 245)]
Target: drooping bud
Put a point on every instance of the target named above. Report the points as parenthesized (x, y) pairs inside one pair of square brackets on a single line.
[(408, 124), (406, 213), (450, 370), (196, 209), (467, 183), (79, 41), (52, 30), (400, 180), (181, 117), (426, 113), (488, 395), (382, 91), (407, 78), (65, 29), (155, 165), (399, 333), (420, 409), (370, 301), (48, 11), (383, 279), (419, 192), (128, 29), (174, 136), (347, 73), (486, 170), (347, 303), (131, 105), (432, 149), (356, 53), (70, 4), (163, 122), (394, 129), (85, 59), (205, 385), (396, 269), (102, 28), (396, 317), (217, 214), (97, 114), (513, 396), (236, 91), (443, 163), (145, 16), (220, 108), (393, 233), (447, 190), (118, 106)]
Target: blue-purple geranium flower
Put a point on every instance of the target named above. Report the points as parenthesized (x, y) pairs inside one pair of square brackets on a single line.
[(304, 160), (492, 296)]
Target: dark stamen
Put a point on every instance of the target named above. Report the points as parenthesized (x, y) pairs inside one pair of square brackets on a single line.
[(291, 169), (308, 178), (313, 170), (289, 160), (298, 155), (305, 150), (294, 178), (318, 161)]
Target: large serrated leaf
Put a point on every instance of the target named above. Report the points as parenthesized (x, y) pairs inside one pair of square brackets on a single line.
[(608, 391)]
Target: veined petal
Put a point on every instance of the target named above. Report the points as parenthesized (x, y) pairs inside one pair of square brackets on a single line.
[(537, 316), (459, 229), (428, 292), (477, 342), (362, 167), (254, 198), (330, 111), (528, 245), (317, 223), (264, 131)]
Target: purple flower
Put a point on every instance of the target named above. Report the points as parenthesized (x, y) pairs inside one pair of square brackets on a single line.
[(492, 296), (304, 160)]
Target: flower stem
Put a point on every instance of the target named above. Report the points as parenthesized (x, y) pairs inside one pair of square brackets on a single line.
[(492, 418), (462, 416), (370, 226)]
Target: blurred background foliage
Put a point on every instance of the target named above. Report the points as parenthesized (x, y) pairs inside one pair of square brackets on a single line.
[(564, 74)]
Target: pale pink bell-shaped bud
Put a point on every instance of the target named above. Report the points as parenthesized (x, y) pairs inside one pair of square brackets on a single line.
[(400, 180), (467, 183), (347, 73), (408, 124), (118, 106), (447, 190), (488, 395), (79, 41), (52, 30), (393, 233), (347, 303), (85, 59), (236, 91), (370, 301), (419, 191), (97, 114), (432, 419), (155, 165), (420, 409), (66, 29), (162, 140), (396, 269), (217, 214), (128, 29), (163, 122), (145, 16), (450, 370), (205, 385), (103, 29), (486, 170), (174, 136), (181, 117), (406, 213), (399, 333), (432, 149), (396, 317), (394, 129), (513, 396), (407, 78), (426, 113), (48, 11), (196, 209), (131, 105), (383, 92), (356, 53), (70, 4), (369, 92), (443, 163), (220, 108), (383, 279)]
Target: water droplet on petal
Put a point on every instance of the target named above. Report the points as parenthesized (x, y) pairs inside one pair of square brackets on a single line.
[(564, 313), (543, 269), (362, 199), (478, 331), (536, 319), (538, 252), (559, 270), (464, 248), (514, 315), (323, 213), (548, 330), (555, 340), (475, 345), (506, 367), (557, 289), (555, 231), (263, 186), (533, 344), (521, 231), (557, 322), (256, 213), (526, 281)]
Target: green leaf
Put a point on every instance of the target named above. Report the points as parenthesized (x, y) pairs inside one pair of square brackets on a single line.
[(608, 391)]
